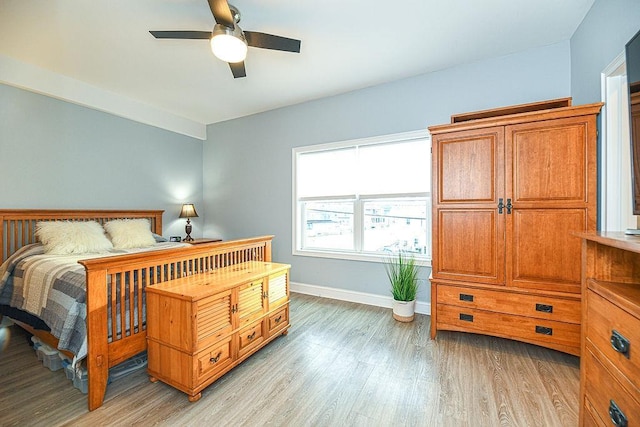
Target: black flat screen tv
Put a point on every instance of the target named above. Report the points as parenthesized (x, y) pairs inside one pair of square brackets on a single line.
[(632, 52)]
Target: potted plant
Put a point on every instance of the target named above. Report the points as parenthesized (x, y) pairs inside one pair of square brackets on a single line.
[(402, 271)]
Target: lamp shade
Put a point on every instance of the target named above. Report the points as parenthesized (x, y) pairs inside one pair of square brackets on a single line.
[(228, 44), (188, 211)]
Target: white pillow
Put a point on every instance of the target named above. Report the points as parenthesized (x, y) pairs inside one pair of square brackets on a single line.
[(130, 233), (72, 237)]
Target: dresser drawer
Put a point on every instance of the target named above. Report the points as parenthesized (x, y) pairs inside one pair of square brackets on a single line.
[(279, 319), (538, 306), (250, 337), (590, 418), (544, 332), (607, 396), (608, 325), (213, 360)]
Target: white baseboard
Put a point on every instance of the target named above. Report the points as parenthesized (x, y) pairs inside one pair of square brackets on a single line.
[(353, 296)]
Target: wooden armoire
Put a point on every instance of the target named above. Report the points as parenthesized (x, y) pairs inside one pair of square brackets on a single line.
[(510, 186)]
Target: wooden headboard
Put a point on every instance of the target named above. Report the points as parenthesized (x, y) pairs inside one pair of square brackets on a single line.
[(19, 225)]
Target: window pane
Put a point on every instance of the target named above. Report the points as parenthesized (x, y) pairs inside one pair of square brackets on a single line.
[(326, 173), (395, 168), (397, 225), (328, 225)]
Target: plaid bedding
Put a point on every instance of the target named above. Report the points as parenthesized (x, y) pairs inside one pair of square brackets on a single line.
[(53, 288)]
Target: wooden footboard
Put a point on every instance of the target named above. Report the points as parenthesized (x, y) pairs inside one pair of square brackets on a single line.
[(113, 286), (116, 325)]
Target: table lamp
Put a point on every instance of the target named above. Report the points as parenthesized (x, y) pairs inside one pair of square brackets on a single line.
[(188, 211)]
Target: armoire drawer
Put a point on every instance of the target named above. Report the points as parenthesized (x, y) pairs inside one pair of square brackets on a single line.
[(608, 398), (521, 304), (528, 329), (615, 333)]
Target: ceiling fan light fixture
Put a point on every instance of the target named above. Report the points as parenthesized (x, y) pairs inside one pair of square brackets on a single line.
[(228, 44)]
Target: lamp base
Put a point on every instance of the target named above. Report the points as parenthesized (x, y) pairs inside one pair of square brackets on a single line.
[(187, 229)]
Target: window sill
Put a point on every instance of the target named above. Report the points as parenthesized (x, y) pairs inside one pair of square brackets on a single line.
[(422, 261)]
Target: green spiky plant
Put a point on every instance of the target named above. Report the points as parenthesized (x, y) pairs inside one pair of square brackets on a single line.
[(402, 271)]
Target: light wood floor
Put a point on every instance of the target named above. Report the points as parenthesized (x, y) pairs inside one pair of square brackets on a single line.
[(342, 364)]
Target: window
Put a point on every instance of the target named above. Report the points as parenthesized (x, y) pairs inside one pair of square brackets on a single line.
[(363, 199)]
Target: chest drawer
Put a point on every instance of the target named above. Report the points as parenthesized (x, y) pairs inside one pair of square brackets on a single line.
[(213, 360), (545, 332), (530, 305), (608, 398), (279, 319), (616, 334), (250, 337)]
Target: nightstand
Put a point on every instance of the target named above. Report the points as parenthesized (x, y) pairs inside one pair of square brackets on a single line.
[(203, 240)]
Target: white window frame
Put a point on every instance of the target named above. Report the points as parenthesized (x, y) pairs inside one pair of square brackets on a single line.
[(424, 260), (616, 211)]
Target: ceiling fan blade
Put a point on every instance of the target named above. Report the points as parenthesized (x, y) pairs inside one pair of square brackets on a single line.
[(181, 34), (237, 68), (221, 12), (269, 41)]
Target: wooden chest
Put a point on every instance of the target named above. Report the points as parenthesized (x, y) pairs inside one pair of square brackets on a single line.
[(200, 327)]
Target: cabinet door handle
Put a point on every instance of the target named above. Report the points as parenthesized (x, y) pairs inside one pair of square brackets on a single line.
[(500, 206), (252, 336), (466, 297), (620, 343), (545, 308), (215, 359), (278, 319), (509, 206), (617, 416), (466, 317), (544, 330)]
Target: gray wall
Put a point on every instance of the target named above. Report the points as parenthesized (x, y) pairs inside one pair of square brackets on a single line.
[(601, 37), (247, 161), (54, 154)]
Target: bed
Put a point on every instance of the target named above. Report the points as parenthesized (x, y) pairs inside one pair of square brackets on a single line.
[(114, 283)]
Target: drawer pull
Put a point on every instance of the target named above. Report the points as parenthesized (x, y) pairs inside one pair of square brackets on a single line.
[(620, 343), (466, 297), (617, 416), (545, 308), (544, 330), (278, 319), (466, 317), (215, 359), (252, 336)]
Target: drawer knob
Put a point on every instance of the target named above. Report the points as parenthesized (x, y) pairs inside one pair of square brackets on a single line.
[(466, 297), (617, 416), (278, 319), (544, 308), (544, 330), (215, 359), (620, 343), (466, 317), (252, 336)]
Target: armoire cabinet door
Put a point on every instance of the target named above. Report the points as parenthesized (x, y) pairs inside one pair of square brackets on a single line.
[(468, 168), (553, 195)]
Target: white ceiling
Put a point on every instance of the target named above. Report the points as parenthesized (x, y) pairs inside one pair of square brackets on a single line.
[(346, 45)]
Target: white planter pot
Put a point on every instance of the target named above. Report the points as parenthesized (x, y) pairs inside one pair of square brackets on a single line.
[(404, 311)]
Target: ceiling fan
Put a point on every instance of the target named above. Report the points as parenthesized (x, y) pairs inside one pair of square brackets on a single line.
[(228, 41)]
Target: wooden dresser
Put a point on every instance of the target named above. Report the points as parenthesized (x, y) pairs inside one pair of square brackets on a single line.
[(610, 363), (200, 327), (509, 186)]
